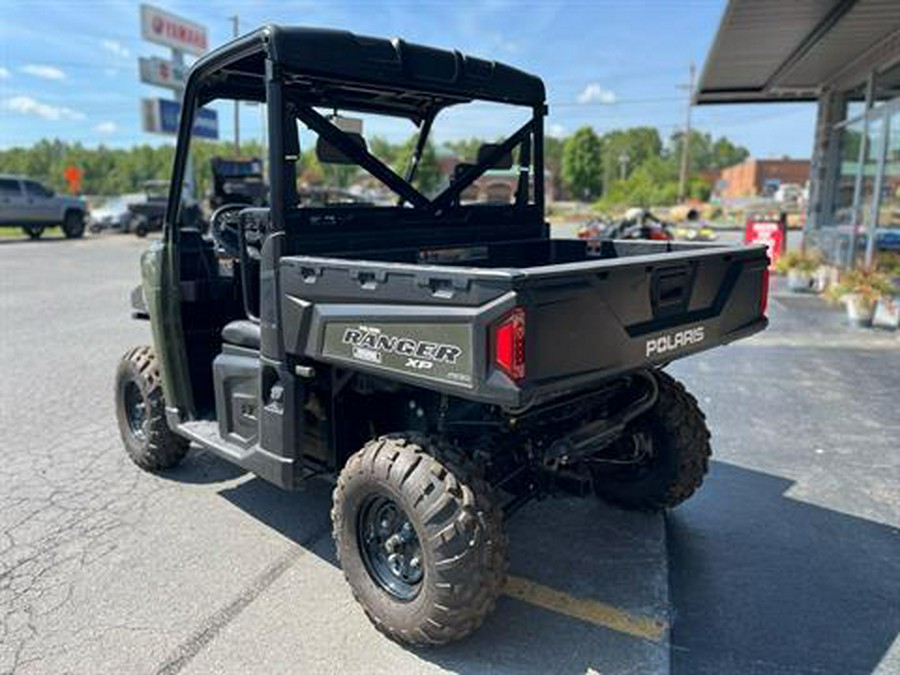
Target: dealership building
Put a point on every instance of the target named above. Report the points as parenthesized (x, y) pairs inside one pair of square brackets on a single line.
[(845, 56)]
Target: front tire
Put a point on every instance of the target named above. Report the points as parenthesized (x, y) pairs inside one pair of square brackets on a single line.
[(428, 563), (73, 225), (141, 413), (674, 439)]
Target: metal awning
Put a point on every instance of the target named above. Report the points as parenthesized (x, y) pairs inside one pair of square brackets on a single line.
[(789, 50)]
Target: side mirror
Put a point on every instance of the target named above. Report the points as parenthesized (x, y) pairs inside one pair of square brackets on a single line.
[(486, 149), (328, 154)]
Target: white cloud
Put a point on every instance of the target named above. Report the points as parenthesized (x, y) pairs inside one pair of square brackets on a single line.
[(25, 105), (594, 93), (106, 128), (115, 47), (44, 72), (4, 73), (557, 131)]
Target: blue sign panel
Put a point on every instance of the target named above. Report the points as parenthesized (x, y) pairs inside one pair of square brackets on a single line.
[(206, 122)]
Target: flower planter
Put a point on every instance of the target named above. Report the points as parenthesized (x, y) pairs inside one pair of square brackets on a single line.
[(859, 311), (887, 314), (800, 282)]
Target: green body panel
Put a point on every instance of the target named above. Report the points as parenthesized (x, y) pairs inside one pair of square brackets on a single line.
[(159, 276)]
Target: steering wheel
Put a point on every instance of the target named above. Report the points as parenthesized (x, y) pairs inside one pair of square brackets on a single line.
[(225, 228)]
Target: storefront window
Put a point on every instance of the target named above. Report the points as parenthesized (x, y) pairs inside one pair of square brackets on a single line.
[(849, 139), (868, 198), (889, 213), (855, 102)]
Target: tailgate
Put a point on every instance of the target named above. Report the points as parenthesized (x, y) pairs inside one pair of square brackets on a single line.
[(593, 319)]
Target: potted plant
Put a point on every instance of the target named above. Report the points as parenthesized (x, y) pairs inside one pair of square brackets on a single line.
[(887, 310), (860, 290), (800, 268)]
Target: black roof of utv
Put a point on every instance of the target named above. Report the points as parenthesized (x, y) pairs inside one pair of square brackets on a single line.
[(344, 70)]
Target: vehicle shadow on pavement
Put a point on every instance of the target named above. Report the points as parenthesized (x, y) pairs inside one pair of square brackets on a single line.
[(200, 467), (49, 239), (578, 547), (762, 582)]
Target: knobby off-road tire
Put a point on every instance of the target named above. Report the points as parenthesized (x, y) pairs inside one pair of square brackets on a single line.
[(679, 456), (141, 413), (73, 225), (459, 530)]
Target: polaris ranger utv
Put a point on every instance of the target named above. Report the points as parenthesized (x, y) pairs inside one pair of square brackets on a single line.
[(443, 361)]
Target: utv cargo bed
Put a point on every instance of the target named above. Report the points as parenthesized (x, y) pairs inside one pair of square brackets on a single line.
[(581, 313)]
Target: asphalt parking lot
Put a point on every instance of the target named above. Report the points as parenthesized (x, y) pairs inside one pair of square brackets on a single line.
[(786, 562)]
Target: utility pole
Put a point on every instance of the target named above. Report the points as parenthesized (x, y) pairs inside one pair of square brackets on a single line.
[(235, 30), (686, 141), (624, 159)]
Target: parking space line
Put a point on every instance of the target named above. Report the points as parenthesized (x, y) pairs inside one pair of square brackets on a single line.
[(591, 611)]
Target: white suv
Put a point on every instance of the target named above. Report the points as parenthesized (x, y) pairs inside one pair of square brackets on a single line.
[(28, 204)]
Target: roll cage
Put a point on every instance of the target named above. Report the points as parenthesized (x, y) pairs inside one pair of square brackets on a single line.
[(296, 70)]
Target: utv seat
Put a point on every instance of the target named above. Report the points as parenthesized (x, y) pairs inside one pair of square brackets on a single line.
[(242, 333)]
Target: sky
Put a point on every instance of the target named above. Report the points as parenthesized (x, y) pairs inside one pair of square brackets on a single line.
[(68, 70)]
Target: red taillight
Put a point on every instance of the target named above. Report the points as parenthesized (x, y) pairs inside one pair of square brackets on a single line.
[(509, 344), (764, 296)]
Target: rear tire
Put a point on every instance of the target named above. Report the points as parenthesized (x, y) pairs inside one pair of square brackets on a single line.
[(678, 437), (34, 233), (73, 225), (141, 413), (141, 227), (452, 522)]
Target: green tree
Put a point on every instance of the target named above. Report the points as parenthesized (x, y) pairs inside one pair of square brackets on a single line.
[(582, 163), (466, 150), (628, 149), (428, 176), (707, 153), (553, 150)]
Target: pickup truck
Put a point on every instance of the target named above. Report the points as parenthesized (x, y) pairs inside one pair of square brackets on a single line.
[(33, 207), (444, 362)]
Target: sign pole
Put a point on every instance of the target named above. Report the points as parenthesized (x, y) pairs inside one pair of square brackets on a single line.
[(178, 60)]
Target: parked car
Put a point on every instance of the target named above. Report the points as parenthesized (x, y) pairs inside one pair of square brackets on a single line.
[(147, 215), (34, 207), (113, 213)]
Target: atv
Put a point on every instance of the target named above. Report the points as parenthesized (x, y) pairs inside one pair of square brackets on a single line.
[(236, 181), (442, 362)]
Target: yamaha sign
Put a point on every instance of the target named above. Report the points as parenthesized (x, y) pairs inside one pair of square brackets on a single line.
[(169, 30)]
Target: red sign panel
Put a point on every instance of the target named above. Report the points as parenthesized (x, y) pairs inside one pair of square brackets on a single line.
[(769, 230), (173, 31), (73, 176)]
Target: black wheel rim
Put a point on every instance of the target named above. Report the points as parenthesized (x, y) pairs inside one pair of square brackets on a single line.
[(135, 410), (390, 547)]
